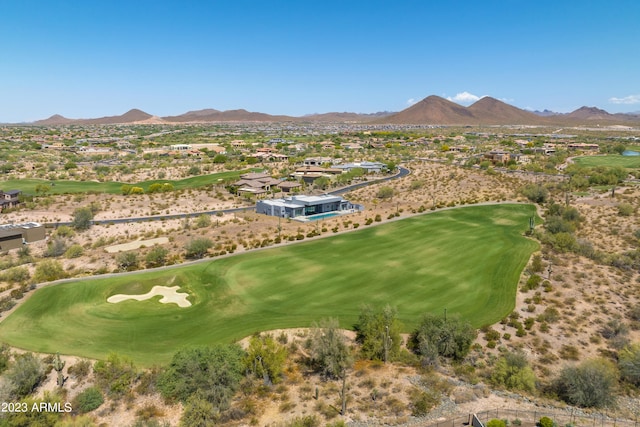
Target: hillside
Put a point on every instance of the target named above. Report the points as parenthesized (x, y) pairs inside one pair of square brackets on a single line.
[(432, 110)]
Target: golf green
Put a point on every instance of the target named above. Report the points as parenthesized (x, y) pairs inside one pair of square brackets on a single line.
[(629, 162), (467, 260)]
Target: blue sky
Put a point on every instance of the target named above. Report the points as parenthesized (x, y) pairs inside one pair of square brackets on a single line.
[(95, 58)]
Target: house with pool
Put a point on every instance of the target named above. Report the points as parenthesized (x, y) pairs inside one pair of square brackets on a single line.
[(307, 208)]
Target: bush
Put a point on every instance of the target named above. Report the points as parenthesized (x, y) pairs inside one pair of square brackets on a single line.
[(625, 209), (496, 423), (546, 422), (82, 218), (88, 400), (48, 270), (378, 332), (211, 373), (156, 257), (127, 261), (535, 192), (115, 375), (25, 374), (197, 248), (513, 372), (74, 251), (437, 336), (589, 384), (385, 192)]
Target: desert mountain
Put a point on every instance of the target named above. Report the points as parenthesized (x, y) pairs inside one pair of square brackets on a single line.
[(56, 119), (211, 115), (491, 111), (131, 116), (432, 110), (590, 113)]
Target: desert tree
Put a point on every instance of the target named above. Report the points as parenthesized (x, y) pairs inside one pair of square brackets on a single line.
[(378, 332), (331, 354)]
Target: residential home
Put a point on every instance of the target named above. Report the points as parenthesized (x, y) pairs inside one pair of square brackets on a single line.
[(255, 183), (13, 236), (305, 206), (9, 199)]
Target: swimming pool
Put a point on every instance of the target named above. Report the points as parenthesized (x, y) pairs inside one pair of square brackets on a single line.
[(318, 217)]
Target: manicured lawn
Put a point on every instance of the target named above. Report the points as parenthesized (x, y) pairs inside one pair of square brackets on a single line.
[(28, 186), (629, 162), (466, 260)]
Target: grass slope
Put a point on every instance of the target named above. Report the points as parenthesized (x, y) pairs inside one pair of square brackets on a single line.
[(613, 160), (28, 186), (467, 260)]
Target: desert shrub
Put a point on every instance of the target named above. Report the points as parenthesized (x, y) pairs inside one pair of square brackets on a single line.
[(590, 384), (535, 192), (496, 423), (80, 369), (421, 402), (74, 251), (513, 372), (385, 192), (197, 248), (127, 261), (629, 364), (626, 209), (24, 374), (156, 257), (437, 336), (56, 247), (265, 358), (546, 422), (211, 373), (48, 270), (203, 221), (115, 375), (378, 332), (88, 400)]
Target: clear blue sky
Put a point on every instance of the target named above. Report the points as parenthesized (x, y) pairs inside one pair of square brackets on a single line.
[(95, 58)]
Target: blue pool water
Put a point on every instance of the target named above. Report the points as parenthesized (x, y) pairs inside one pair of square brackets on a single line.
[(317, 217), (631, 153)]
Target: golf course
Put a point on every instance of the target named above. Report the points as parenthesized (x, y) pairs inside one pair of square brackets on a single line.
[(467, 260), (612, 160), (28, 186)]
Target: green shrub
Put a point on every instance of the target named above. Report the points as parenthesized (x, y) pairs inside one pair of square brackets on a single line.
[(496, 423), (88, 400), (545, 422)]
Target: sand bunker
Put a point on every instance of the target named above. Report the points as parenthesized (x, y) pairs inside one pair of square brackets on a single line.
[(169, 295), (136, 245)]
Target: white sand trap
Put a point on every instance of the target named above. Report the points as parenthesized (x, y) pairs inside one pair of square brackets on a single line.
[(169, 295), (136, 245)]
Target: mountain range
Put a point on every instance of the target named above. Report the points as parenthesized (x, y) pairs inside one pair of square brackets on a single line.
[(432, 110)]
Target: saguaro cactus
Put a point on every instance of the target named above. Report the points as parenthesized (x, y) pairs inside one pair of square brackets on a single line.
[(58, 365)]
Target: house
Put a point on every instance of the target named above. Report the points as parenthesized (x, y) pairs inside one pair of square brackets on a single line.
[(289, 186), (9, 199), (13, 236), (255, 183), (308, 174), (180, 147), (317, 161), (368, 167), (498, 156), (305, 206)]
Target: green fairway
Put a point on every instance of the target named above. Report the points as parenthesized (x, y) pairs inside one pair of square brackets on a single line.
[(467, 260), (28, 186), (613, 160)]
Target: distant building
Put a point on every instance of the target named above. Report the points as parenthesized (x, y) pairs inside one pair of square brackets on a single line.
[(304, 206), (9, 199), (13, 236), (180, 147), (368, 167), (255, 183)]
